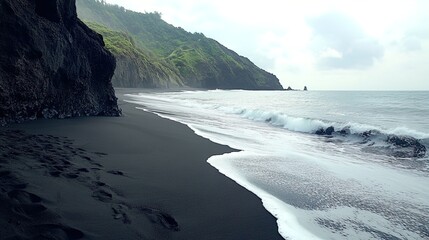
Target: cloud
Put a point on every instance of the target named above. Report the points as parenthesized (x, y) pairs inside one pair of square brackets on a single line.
[(330, 44), (411, 44), (331, 53), (414, 34), (340, 43)]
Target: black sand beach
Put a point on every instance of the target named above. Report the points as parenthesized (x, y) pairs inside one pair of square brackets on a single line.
[(133, 177)]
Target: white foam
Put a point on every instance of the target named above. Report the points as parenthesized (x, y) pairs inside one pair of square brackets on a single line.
[(308, 125), (289, 226), (280, 119), (303, 157)]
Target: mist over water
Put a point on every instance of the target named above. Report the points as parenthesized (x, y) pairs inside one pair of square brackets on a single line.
[(355, 182)]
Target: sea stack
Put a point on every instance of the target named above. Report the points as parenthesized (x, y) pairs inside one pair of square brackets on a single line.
[(51, 64), (305, 88)]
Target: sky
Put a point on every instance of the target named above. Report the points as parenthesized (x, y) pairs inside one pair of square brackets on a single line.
[(324, 44)]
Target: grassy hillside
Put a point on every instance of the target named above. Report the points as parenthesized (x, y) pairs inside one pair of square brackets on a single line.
[(200, 61), (135, 67), (117, 42)]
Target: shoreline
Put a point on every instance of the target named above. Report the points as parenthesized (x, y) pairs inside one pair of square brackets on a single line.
[(138, 176)]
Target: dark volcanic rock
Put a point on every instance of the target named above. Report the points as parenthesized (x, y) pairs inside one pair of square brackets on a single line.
[(320, 131), (345, 131), (407, 146), (329, 130), (51, 64), (134, 72)]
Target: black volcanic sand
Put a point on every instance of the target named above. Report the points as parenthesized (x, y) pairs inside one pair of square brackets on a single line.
[(133, 177)]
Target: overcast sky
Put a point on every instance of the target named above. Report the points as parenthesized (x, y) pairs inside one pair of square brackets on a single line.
[(325, 44)]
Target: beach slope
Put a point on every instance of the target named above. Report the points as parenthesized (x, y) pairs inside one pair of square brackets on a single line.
[(133, 177)]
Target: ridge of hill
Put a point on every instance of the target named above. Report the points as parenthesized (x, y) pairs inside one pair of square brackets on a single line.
[(182, 58)]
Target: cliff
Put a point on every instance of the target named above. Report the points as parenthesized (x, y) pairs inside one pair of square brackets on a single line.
[(198, 61), (134, 67), (51, 64)]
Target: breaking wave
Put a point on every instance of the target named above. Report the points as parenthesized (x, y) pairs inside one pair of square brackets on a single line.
[(398, 142)]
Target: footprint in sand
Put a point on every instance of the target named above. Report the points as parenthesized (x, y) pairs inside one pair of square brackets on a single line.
[(115, 172), (24, 196), (102, 195), (119, 213), (158, 217), (26, 204)]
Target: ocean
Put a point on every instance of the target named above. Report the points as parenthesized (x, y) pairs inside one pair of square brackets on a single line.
[(326, 164)]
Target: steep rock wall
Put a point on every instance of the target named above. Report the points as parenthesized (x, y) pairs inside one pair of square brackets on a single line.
[(51, 64), (199, 62), (135, 72)]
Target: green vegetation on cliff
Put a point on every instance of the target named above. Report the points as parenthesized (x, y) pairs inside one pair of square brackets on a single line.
[(134, 67), (117, 42), (193, 59)]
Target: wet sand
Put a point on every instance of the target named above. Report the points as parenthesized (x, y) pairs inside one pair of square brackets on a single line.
[(132, 177)]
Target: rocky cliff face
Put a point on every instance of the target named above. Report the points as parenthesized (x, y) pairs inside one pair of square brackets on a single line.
[(51, 64), (193, 59), (132, 71), (234, 72)]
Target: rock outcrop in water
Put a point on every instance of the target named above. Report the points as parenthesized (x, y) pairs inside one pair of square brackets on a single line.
[(328, 131), (380, 143), (51, 64), (408, 146)]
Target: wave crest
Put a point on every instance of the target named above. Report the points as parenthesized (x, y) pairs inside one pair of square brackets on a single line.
[(398, 142)]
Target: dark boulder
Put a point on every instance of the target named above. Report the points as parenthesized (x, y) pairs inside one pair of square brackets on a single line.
[(51, 64), (320, 131), (369, 133), (345, 131), (329, 130), (406, 146), (305, 88)]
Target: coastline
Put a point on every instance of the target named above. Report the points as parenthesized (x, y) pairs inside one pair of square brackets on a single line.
[(133, 177)]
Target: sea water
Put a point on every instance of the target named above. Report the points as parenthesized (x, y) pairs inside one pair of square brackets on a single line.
[(326, 164)]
